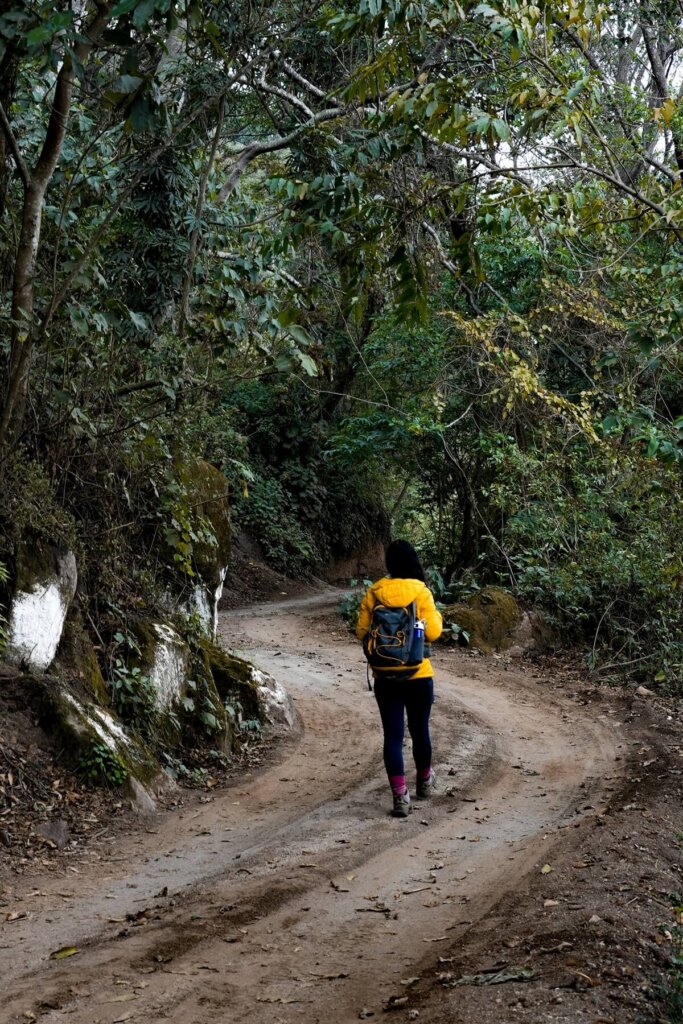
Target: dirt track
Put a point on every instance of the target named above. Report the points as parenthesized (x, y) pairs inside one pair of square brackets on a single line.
[(294, 893)]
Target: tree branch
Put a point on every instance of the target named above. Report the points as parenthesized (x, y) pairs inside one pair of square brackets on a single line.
[(660, 79), (125, 193), (451, 267), (199, 207), (23, 170), (288, 97), (61, 104), (273, 145), (296, 76)]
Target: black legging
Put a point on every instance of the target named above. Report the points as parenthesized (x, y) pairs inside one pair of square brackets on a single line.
[(413, 697)]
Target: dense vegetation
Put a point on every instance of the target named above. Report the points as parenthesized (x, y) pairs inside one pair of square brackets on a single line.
[(390, 265)]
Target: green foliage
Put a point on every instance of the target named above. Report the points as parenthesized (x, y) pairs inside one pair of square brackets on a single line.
[(443, 281), (349, 604), (271, 515), (31, 506), (197, 776), (593, 535), (302, 510), (672, 996), (244, 726), (102, 766), (185, 529), (199, 702), (133, 696), (132, 692), (460, 635)]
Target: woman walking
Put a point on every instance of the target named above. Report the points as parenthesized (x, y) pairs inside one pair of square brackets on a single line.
[(405, 690)]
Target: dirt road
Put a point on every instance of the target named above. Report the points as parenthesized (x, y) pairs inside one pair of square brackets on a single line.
[(294, 894)]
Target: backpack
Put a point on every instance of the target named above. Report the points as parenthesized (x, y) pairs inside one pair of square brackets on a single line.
[(392, 641)]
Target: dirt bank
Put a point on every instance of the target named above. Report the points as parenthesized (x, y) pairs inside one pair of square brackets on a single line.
[(293, 893)]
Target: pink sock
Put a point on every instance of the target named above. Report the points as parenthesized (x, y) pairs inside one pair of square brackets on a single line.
[(398, 784), (424, 773)]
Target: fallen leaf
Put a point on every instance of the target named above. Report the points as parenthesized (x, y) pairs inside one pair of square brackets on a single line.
[(546, 869), (64, 952), (395, 1002), (493, 978), (555, 949), (551, 903)]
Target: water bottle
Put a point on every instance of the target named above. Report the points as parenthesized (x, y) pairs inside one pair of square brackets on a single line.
[(418, 651)]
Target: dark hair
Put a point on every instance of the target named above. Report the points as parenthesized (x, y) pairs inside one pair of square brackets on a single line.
[(402, 561)]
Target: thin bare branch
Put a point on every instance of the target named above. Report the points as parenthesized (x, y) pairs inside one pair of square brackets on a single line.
[(296, 76), (23, 170)]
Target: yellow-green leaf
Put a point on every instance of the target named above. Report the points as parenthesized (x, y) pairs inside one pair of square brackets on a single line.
[(64, 952)]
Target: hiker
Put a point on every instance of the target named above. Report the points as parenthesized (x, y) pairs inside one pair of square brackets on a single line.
[(407, 685)]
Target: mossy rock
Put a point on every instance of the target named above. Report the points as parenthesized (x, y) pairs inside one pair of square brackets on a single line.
[(146, 639), (202, 714), (81, 727), (197, 716), (207, 491), (489, 617), (38, 563), (234, 679), (77, 660)]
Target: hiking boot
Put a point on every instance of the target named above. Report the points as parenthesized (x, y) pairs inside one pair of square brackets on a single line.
[(425, 787), (401, 805)]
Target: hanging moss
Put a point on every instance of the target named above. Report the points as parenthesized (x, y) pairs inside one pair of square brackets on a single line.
[(489, 617)]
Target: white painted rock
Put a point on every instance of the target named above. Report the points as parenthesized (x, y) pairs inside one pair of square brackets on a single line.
[(204, 603), (168, 672), (277, 705), (38, 611)]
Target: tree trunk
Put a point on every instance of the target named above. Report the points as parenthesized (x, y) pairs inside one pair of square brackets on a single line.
[(194, 235), (36, 183), (22, 314)]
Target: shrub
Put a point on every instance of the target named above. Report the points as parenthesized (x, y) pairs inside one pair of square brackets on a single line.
[(102, 766)]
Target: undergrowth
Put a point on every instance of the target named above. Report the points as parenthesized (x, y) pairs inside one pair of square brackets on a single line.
[(102, 766)]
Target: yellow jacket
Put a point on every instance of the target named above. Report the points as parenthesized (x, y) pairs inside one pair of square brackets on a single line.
[(397, 593)]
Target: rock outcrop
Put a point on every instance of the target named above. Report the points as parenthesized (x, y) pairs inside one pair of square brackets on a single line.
[(45, 585), (151, 681), (489, 618)]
